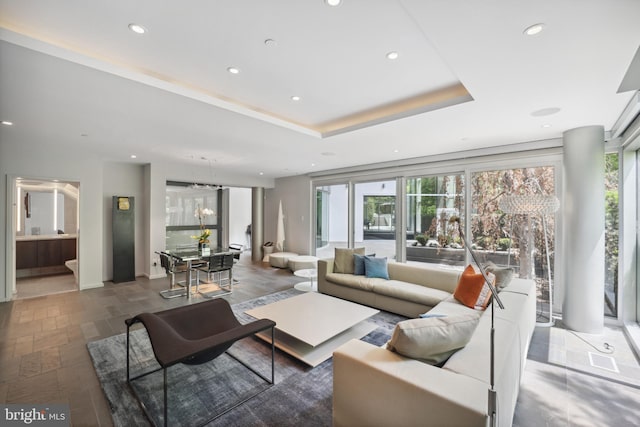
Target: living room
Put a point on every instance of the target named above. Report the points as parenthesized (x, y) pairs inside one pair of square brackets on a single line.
[(93, 114)]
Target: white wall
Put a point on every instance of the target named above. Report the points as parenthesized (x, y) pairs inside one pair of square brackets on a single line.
[(42, 159), (295, 193), (239, 215), (19, 159), (123, 179)]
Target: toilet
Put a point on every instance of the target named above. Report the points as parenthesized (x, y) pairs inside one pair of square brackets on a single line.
[(72, 265)]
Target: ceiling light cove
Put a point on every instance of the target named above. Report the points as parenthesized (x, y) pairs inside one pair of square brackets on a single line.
[(233, 70), (534, 29), (138, 29), (392, 55)]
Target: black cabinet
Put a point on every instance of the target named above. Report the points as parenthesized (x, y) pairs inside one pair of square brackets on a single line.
[(26, 254), (39, 255), (123, 222), (49, 253)]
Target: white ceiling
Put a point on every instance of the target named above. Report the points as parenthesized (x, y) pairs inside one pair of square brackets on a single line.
[(73, 74)]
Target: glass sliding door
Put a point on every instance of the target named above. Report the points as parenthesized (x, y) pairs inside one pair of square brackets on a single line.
[(510, 227), (332, 219), (431, 202), (375, 217)]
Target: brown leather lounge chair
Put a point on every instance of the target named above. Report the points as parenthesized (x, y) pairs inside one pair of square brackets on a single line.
[(195, 334)]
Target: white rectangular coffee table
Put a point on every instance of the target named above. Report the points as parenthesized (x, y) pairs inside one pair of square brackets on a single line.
[(312, 325)]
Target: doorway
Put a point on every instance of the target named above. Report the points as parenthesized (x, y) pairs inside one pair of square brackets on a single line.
[(45, 236)]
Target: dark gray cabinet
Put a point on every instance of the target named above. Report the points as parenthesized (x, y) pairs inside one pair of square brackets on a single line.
[(123, 222)]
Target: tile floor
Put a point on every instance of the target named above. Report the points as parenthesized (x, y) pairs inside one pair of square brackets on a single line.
[(43, 355), (45, 285)]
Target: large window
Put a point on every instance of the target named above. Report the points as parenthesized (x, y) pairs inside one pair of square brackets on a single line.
[(431, 202), (611, 233), (512, 223), (182, 222)]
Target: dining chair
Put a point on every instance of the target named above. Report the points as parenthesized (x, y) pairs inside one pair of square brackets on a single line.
[(216, 265), (171, 267)]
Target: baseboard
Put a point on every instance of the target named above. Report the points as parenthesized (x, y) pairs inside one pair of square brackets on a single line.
[(155, 276), (91, 286)]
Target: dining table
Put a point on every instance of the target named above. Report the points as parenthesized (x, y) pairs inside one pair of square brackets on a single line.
[(190, 254)]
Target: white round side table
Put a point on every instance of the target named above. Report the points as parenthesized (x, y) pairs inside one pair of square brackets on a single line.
[(308, 273)]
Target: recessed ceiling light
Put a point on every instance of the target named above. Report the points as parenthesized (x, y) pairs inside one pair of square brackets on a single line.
[(133, 156), (261, 173), (138, 29), (313, 164), (270, 43), (392, 55), (534, 29), (333, 2), (7, 123), (546, 125), (396, 151), (233, 70), (295, 98)]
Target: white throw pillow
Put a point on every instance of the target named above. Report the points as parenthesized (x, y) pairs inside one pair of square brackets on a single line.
[(434, 339)]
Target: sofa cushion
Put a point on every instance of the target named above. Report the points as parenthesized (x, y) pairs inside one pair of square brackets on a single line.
[(472, 290), (408, 291), (437, 277), (376, 267), (343, 261), (452, 307), (432, 340), (351, 281)]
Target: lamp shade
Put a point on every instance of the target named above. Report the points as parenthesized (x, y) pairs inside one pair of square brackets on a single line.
[(533, 204)]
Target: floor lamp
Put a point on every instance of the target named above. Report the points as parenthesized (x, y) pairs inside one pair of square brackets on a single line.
[(493, 401), (533, 204)]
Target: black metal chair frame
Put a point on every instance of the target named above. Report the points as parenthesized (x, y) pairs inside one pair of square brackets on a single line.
[(170, 267), (217, 264), (167, 330)]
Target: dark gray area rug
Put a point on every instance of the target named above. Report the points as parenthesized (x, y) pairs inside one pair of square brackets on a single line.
[(301, 395)]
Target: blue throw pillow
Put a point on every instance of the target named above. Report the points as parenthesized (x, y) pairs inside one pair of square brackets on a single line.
[(376, 267), (358, 265), (428, 315)]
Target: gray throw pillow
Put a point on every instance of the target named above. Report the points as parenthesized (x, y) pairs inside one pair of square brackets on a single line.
[(503, 275), (343, 261), (433, 339)]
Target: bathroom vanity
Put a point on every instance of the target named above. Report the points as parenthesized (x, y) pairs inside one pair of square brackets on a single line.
[(39, 255)]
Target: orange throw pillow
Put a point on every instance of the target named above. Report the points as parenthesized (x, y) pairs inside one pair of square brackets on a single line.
[(472, 290)]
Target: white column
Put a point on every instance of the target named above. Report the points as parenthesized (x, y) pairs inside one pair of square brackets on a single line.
[(583, 306), (257, 222)]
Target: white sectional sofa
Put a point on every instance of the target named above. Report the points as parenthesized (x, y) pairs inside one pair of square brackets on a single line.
[(374, 386), (411, 290)]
